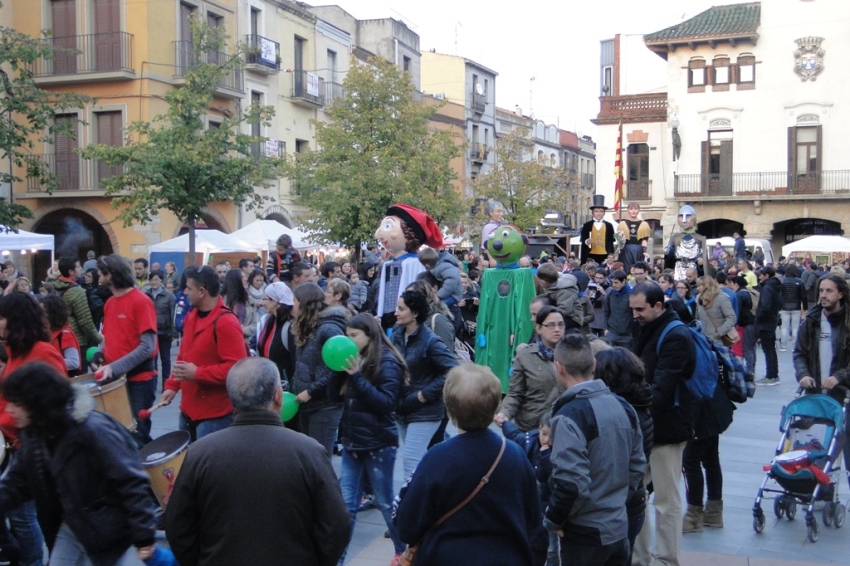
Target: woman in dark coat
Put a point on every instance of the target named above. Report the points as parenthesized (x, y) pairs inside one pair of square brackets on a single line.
[(274, 339), (420, 408)]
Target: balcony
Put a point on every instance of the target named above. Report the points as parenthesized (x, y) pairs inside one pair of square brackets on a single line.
[(262, 55), (639, 190), (268, 148), (308, 89), (231, 85), (779, 185), (479, 152), (479, 103), (333, 92), (588, 180), (96, 57), (635, 108), (73, 174)]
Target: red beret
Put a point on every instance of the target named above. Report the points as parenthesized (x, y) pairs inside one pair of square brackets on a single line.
[(422, 225)]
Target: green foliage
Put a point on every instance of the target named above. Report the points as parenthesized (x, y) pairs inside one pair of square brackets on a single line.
[(527, 189), (376, 150), (27, 117), (173, 163)]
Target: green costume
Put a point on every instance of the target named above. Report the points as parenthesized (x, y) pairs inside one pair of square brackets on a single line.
[(506, 292)]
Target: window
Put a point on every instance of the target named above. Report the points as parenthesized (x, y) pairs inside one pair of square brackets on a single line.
[(66, 164), (717, 163), (607, 81), (332, 66), (406, 64), (255, 21), (64, 16), (256, 100), (721, 73), (746, 72), (298, 54), (213, 124), (107, 39), (696, 75), (541, 157), (215, 21), (638, 156), (804, 158), (108, 132), (302, 146)]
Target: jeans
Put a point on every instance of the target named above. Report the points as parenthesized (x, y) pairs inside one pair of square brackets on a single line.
[(142, 396), (415, 438), (635, 525), (605, 555), (199, 429), (321, 425), (700, 454), (664, 471), (790, 324), (378, 467), (768, 346), (68, 551), (751, 336), (164, 358), (553, 553), (27, 533)]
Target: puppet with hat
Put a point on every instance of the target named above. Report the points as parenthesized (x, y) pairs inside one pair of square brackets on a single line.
[(687, 248), (597, 235), (506, 292), (402, 232)]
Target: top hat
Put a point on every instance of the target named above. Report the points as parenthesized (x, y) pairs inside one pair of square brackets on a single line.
[(598, 202)]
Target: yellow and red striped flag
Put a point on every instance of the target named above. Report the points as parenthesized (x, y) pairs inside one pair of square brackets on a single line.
[(618, 170)]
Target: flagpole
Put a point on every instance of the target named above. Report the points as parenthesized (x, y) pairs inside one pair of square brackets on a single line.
[(618, 167)]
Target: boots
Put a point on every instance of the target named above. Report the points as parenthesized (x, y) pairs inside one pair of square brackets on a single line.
[(693, 519), (714, 514)]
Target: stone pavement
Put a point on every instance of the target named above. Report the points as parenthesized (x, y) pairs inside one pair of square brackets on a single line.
[(745, 447)]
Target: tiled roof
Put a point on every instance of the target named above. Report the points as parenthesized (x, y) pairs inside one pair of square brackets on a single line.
[(718, 22)]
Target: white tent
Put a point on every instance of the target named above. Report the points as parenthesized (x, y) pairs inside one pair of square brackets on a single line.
[(263, 234), (822, 244), (23, 240), (206, 242)]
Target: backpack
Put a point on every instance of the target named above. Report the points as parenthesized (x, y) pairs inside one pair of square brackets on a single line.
[(740, 385), (754, 295), (704, 380), (461, 350)]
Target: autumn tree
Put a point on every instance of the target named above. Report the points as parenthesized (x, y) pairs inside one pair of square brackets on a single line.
[(173, 163), (377, 149)]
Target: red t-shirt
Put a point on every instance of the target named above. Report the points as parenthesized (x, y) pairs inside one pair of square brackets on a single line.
[(125, 319), (65, 338)]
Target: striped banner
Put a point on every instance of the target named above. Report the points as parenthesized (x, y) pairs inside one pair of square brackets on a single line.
[(618, 170)]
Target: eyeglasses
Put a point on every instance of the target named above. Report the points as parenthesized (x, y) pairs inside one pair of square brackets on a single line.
[(551, 325)]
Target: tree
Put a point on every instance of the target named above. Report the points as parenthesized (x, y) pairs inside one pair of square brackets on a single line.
[(527, 189), (376, 150), (27, 118), (173, 163)]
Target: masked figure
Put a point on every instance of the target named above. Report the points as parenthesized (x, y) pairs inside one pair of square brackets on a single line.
[(687, 248)]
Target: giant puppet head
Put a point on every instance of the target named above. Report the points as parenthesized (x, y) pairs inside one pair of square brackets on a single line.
[(506, 245), (687, 219), (405, 229)]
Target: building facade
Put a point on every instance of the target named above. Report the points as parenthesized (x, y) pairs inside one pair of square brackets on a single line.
[(746, 127)]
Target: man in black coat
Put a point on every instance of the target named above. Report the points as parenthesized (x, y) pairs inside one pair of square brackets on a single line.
[(597, 235), (256, 493), (667, 367), (767, 319)]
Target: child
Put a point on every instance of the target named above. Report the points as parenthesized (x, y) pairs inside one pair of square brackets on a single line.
[(446, 269), (537, 445), (359, 291)]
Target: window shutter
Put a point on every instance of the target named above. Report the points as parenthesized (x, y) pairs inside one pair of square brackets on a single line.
[(185, 51), (64, 14), (67, 162), (726, 167), (819, 149), (706, 156), (108, 133), (107, 26), (792, 157)]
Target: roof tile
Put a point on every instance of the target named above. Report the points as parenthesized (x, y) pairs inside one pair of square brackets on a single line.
[(733, 20)]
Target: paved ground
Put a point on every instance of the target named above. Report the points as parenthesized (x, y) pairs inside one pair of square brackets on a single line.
[(744, 449)]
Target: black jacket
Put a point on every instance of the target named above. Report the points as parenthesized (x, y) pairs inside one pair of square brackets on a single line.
[(770, 303), (368, 417), (256, 493), (810, 282), (90, 478), (714, 415), (164, 305), (794, 294), (807, 349), (672, 403), (311, 374), (745, 308), (641, 401), (428, 360)]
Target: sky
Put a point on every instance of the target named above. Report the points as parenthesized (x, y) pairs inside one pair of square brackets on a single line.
[(554, 41)]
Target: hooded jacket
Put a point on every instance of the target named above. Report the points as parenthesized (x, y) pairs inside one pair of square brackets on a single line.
[(770, 303), (807, 349), (564, 292), (533, 388), (616, 311), (311, 373)]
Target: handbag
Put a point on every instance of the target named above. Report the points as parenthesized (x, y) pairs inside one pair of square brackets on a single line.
[(730, 338), (409, 555)]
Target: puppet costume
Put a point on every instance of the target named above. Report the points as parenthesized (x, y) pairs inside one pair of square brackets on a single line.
[(599, 234)]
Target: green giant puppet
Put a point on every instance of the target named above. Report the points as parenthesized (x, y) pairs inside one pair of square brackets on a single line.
[(504, 321)]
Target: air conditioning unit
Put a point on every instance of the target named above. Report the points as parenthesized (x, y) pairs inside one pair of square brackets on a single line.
[(440, 96)]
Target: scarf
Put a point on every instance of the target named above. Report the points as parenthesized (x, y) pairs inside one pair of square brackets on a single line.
[(547, 353)]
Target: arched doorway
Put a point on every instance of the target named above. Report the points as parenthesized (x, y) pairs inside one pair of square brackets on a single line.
[(279, 214), (792, 230), (206, 222), (76, 233), (719, 228)]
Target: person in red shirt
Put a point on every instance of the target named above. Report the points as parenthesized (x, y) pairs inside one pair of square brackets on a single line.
[(130, 345), (212, 343), (24, 331), (62, 335)]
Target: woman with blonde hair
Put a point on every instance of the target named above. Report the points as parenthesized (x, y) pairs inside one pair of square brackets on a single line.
[(714, 310), (19, 285)]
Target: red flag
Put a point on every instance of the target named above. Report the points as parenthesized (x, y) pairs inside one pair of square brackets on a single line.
[(618, 170)]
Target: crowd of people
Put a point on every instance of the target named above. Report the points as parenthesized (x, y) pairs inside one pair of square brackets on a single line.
[(597, 416)]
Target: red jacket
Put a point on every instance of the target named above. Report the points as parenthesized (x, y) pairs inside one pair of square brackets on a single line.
[(213, 343)]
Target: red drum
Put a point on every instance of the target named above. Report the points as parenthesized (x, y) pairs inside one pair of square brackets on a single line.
[(794, 461)]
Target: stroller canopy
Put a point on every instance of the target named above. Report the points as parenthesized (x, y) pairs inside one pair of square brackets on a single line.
[(817, 406)]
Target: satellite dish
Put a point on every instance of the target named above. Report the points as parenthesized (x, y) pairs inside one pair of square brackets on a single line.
[(479, 89)]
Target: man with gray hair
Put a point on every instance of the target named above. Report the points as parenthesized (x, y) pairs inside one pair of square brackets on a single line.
[(257, 492)]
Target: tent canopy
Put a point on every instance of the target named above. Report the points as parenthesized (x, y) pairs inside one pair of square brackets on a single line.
[(25, 240), (206, 241), (823, 244), (263, 234)]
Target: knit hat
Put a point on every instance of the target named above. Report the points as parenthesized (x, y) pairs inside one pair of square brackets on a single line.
[(280, 293), (423, 226)]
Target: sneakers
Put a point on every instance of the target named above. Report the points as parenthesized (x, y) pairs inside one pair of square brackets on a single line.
[(368, 502), (396, 560), (783, 349), (768, 381)]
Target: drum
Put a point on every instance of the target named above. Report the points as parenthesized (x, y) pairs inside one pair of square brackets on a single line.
[(111, 398), (162, 459), (793, 461)]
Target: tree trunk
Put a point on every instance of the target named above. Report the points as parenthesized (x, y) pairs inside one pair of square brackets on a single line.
[(191, 223)]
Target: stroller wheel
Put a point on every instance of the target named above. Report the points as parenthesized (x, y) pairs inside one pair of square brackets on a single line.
[(813, 530), (790, 507), (758, 522), (840, 510), (828, 513), (779, 507)]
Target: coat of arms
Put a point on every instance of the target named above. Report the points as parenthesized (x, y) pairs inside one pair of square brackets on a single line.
[(808, 58)]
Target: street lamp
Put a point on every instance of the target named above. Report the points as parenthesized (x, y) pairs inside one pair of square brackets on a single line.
[(677, 141)]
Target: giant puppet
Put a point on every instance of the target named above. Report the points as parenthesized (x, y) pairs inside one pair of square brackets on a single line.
[(402, 232), (687, 249), (597, 235), (636, 235), (506, 291)]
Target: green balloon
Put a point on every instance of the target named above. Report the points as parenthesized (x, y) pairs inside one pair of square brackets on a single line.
[(90, 353), (290, 406), (336, 352)]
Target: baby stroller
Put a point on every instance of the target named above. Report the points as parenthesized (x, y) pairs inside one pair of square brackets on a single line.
[(807, 465)]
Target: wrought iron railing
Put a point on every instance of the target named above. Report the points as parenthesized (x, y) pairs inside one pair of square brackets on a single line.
[(333, 92), (262, 51), (86, 54), (308, 86), (478, 151), (776, 183), (479, 103), (639, 190), (185, 58), (587, 180)]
